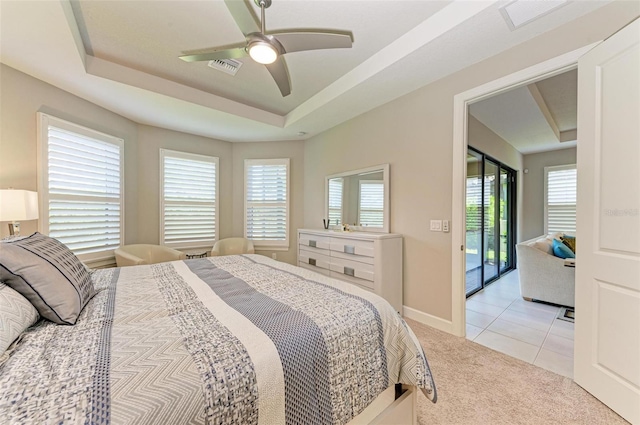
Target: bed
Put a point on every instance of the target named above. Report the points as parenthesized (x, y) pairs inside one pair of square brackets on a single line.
[(222, 340)]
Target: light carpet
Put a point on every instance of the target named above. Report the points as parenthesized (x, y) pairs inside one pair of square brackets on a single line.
[(477, 385)]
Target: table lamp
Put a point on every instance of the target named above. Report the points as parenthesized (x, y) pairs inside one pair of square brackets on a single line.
[(16, 205)]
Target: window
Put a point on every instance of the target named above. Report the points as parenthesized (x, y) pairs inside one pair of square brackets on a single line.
[(188, 199), (371, 211), (335, 200), (560, 199), (80, 187), (267, 202)]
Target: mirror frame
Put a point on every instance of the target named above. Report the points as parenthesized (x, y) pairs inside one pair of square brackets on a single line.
[(387, 206)]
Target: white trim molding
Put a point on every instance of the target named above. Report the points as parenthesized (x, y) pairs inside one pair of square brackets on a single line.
[(427, 319), (461, 103)]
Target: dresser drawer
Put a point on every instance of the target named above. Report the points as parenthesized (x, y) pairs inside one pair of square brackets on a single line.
[(314, 258), (319, 251), (354, 269), (314, 241), (314, 268), (361, 283), (345, 248)]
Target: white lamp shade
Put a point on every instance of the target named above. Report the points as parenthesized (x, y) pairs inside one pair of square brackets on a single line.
[(17, 204)]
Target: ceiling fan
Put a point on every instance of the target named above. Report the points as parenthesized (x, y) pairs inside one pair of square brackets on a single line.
[(268, 49)]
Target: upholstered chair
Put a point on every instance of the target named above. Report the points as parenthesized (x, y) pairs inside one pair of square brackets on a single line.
[(232, 246), (137, 254)]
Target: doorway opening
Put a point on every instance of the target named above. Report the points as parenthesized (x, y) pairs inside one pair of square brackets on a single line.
[(490, 220)]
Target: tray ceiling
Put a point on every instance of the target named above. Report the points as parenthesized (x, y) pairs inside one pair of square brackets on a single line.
[(122, 55)]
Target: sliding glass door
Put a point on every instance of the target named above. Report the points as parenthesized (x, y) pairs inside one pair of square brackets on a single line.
[(490, 211)]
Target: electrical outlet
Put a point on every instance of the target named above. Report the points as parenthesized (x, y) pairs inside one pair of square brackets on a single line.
[(445, 226), (436, 225), (274, 256)]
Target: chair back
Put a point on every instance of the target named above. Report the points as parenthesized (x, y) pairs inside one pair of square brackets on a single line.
[(232, 246)]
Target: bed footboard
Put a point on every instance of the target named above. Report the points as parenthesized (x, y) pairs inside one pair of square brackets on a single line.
[(397, 405)]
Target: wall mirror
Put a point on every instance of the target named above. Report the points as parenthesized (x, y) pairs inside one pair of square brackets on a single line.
[(359, 198)]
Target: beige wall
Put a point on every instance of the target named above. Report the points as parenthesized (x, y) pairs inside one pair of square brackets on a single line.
[(533, 218), (414, 134), (271, 150), (486, 141), (21, 96), (150, 141)]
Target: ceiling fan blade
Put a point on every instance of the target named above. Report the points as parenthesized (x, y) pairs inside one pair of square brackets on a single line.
[(243, 14), (280, 74), (299, 41), (233, 53)]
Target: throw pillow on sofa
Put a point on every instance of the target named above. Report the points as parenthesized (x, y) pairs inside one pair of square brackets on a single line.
[(561, 250), (569, 241)]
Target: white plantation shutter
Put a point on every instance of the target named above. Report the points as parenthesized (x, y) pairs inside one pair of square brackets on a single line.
[(267, 202), (81, 187), (371, 211), (189, 204), (560, 199), (474, 202), (335, 200)]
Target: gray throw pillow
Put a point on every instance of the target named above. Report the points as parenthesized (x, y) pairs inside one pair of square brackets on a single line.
[(48, 274), (16, 315)]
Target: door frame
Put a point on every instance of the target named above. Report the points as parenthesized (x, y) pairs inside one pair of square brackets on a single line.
[(461, 102)]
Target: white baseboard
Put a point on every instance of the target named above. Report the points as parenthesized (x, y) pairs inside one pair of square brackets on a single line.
[(428, 319)]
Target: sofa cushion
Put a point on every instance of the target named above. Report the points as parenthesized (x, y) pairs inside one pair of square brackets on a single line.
[(561, 250), (544, 245)]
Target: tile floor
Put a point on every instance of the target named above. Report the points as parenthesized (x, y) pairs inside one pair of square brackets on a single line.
[(498, 318)]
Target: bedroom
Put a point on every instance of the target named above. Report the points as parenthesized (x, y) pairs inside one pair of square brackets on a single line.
[(413, 133)]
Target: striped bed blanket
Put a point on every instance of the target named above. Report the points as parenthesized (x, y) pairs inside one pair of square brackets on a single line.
[(220, 340)]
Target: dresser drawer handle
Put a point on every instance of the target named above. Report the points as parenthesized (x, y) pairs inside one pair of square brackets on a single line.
[(312, 261), (349, 271), (312, 244), (349, 249)]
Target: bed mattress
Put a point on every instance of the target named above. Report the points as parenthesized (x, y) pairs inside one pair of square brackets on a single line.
[(220, 340)]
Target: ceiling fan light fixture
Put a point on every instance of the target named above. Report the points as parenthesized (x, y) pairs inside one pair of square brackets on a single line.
[(262, 52)]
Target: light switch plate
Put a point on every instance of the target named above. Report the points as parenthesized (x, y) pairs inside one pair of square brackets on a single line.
[(436, 225), (445, 226)]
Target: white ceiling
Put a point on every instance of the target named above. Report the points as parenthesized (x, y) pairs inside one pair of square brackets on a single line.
[(519, 119), (128, 62)]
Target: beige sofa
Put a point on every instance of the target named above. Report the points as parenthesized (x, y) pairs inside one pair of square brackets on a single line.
[(137, 254), (543, 276)]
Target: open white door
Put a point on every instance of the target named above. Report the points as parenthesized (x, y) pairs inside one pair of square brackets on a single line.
[(607, 332)]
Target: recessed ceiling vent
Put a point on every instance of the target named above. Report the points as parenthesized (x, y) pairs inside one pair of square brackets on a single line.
[(521, 12), (230, 66)]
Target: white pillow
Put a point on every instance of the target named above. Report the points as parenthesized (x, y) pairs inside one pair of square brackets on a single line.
[(544, 245), (556, 236), (16, 315)]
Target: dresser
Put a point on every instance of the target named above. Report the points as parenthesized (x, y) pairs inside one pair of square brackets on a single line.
[(372, 261)]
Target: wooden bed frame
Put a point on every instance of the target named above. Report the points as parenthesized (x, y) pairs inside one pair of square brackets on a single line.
[(397, 405)]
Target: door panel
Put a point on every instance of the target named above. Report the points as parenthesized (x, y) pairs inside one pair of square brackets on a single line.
[(491, 230), (474, 222), (620, 155), (607, 331)]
